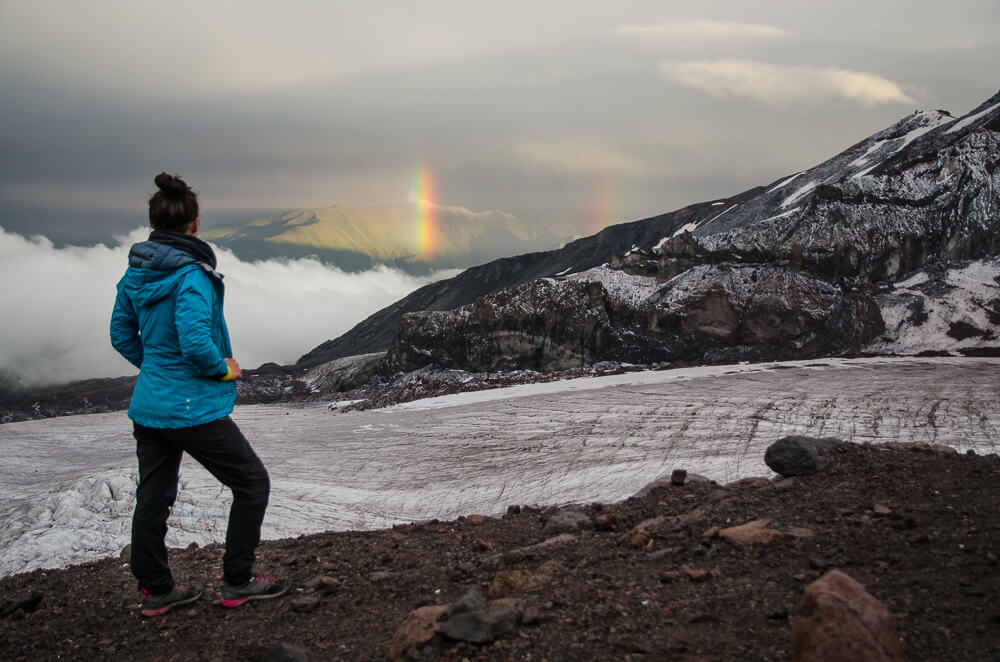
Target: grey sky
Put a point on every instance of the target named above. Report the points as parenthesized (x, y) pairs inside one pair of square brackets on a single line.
[(593, 111)]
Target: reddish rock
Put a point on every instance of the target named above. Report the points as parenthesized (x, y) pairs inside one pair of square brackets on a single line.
[(515, 582), (837, 619), (478, 519), (697, 574), (418, 630), (752, 532)]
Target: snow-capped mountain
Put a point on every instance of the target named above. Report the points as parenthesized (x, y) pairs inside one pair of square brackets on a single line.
[(805, 266)]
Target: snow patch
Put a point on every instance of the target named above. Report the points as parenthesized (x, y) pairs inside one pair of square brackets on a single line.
[(690, 227), (799, 193), (966, 121), (623, 287), (785, 183), (916, 322)]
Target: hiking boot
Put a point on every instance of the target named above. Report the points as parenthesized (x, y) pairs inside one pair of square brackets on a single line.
[(256, 588), (154, 605)]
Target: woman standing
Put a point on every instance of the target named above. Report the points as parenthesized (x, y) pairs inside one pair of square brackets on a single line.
[(168, 322)]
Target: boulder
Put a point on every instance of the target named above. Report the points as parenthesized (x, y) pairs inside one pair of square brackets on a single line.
[(837, 619), (799, 456)]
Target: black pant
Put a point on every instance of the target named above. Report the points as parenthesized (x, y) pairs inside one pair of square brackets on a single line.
[(222, 449)]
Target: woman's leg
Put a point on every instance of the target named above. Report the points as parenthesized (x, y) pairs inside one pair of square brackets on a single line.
[(159, 461), (222, 449)]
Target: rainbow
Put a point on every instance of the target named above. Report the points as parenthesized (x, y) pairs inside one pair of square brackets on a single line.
[(425, 213), (605, 205)]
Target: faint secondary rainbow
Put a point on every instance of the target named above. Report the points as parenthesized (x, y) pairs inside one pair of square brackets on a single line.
[(605, 205), (425, 213)]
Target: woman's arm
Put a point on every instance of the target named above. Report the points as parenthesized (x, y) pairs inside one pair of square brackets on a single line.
[(193, 315), (125, 336)]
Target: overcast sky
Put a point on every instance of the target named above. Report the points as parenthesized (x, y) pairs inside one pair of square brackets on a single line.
[(583, 111), (587, 110)]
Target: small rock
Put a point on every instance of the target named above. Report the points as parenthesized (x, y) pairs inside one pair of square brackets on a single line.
[(567, 521), (26, 603), (751, 532), (697, 574), (304, 605), (478, 519), (473, 600), (605, 522), (380, 576), (678, 476), (323, 584), (482, 626), (483, 545), (882, 510), (283, 652), (514, 582), (532, 615)]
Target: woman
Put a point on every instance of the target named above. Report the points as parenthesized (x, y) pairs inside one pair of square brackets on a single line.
[(168, 322)]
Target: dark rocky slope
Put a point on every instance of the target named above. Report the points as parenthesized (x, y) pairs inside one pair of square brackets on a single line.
[(653, 578)]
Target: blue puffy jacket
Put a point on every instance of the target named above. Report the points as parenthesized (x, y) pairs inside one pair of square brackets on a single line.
[(168, 322)]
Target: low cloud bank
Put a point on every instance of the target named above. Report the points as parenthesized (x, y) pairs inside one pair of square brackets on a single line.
[(57, 302)]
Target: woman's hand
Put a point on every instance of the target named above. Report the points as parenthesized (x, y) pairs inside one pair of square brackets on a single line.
[(234, 369)]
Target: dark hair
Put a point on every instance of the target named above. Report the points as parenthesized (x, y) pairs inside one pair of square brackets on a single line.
[(174, 206)]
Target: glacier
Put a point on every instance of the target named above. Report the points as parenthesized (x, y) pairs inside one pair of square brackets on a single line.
[(67, 484)]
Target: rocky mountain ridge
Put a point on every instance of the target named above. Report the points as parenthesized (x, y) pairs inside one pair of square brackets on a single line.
[(805, 267)]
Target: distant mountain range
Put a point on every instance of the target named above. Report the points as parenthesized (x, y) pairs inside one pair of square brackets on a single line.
[(415, 238)]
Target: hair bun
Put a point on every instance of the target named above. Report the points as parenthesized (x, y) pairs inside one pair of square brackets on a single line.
[(171, 185)]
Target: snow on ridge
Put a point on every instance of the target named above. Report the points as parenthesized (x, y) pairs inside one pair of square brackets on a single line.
[(966, 121), (863, 159), (690, 227), (964, 302), (799, 193), (620, 286), (781, 215), (918, 278), (786, 182)]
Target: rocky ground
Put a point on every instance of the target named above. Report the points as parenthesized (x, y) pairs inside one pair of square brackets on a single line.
[(661, 576)]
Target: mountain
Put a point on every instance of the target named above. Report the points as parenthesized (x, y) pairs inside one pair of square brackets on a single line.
[(417, 238), (894, 239)]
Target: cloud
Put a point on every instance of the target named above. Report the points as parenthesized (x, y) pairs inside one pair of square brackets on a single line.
[(57, 306), (575, 156), (689, 34), (781, 85)]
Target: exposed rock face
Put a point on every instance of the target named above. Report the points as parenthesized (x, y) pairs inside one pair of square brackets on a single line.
[(708, 313)]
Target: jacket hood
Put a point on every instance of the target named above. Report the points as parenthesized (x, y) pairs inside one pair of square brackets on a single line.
[(154, 269)]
